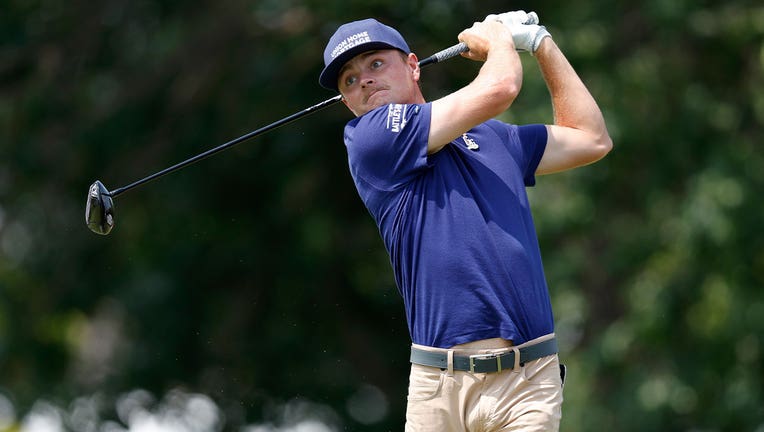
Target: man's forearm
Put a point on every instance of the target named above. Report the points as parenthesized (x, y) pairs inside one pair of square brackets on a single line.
[(572, 102)]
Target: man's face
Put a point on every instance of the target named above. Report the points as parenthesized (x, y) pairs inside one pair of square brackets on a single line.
[(376, 78)]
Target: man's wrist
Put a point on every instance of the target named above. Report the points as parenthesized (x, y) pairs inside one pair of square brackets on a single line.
[(541, 35), (501, 51), (542, 45)]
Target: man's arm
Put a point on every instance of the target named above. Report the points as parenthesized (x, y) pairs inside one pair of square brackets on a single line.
[(491, 93), (579, 135)]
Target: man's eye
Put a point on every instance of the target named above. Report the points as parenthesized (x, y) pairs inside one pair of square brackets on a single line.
[(350, 80), (376, 63)]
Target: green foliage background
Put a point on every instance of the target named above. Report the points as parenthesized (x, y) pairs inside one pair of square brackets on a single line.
[(257, 277)]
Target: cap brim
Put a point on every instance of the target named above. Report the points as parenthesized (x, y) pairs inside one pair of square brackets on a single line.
[(330, 74)]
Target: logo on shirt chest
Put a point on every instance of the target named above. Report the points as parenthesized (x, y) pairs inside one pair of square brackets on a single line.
[(470, 143)]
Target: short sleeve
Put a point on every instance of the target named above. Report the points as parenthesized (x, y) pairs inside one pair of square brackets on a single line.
[(532, 140), (388, 146)]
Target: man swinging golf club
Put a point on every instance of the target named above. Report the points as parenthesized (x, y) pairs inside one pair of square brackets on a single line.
[(445, 184)]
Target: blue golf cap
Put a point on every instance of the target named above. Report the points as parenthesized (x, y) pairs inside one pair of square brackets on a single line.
[(355, 38)]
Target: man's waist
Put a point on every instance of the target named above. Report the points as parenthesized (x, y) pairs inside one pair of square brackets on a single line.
[(487, 356), (483, 344)]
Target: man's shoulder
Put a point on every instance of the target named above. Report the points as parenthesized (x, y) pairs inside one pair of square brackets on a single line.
[(390, 110), (496, 125), (392, 118)]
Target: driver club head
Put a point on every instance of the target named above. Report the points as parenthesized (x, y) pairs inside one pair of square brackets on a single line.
[(99, 209)]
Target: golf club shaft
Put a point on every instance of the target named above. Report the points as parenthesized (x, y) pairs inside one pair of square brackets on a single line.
[(435, 58), (231, 143)]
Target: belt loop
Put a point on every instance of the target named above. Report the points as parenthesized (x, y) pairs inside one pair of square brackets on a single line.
[(450, 357), (516, 350)]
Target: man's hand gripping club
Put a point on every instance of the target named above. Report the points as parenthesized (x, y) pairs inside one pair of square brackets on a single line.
[(526, 31)]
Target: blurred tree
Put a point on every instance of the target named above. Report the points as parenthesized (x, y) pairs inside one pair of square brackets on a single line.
[(257, 277)]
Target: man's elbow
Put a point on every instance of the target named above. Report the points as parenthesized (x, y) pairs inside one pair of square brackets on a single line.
[(602, 145), (501, 94), (497, 92), (597, 148)]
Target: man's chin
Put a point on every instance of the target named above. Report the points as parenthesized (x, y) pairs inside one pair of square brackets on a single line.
[(379, 98), (378, 104), (372, 107)]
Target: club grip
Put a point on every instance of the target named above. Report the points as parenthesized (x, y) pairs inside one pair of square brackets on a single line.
[(445, 54)]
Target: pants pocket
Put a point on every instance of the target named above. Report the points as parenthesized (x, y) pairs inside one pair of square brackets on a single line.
[(424, 382), (544, 371)]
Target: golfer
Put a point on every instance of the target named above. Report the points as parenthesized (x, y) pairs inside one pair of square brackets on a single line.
[(445, 183)]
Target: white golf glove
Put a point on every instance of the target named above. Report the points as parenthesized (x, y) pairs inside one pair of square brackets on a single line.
[(515, 17), (526, 33), (528, 37)]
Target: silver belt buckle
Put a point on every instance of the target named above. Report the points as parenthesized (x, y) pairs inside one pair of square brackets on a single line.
[(489, 356)]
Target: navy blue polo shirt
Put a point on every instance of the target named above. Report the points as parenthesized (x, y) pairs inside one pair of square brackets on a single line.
[(456, 224)]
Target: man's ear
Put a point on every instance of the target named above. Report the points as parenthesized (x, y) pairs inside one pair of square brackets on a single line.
[(413, 63)]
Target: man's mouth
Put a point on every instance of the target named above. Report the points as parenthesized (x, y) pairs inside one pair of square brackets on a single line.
[(373, 92)]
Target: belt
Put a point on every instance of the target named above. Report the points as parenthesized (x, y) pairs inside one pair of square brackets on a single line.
[(485, 363)]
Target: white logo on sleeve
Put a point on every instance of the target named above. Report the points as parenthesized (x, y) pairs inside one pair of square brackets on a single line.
[(396, 117), (470, 143)]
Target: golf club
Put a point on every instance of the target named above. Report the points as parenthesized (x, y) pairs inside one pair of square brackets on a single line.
[(99, 206)]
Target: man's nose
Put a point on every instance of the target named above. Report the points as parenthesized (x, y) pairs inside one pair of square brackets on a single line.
[(367, 81)]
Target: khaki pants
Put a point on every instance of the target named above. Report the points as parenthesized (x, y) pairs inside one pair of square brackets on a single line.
[(528, 398)]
